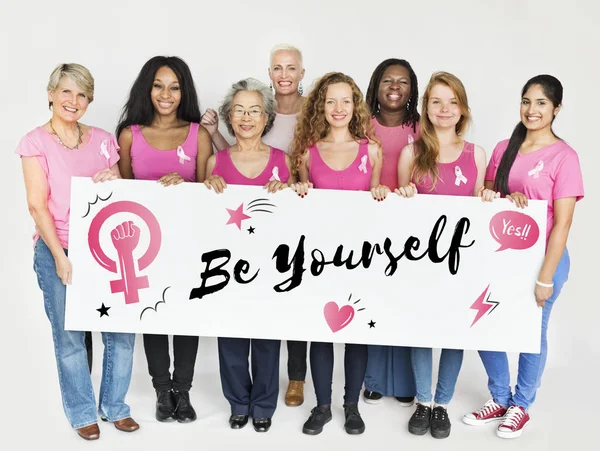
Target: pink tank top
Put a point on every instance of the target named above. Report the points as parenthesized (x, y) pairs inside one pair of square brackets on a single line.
[(356, 177), (149, 163), (393, 140), (276, 169), (455, 179)]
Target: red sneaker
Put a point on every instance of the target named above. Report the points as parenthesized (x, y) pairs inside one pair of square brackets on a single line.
[(486, 414), (515, 420)]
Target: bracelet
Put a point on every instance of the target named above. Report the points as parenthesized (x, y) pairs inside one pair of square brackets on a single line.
[(545, 285)]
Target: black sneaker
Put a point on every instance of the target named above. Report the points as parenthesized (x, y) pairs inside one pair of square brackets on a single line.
[(184, 412), (405, 401), (319, 417), (372, 397), (165, 405), (440, 423), (419, 422), (354, 424)]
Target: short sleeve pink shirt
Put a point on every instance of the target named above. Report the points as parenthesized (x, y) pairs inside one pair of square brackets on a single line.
[(550, 173), (60, 164)]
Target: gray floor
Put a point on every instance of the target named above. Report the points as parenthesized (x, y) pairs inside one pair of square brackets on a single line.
[(36, 418)]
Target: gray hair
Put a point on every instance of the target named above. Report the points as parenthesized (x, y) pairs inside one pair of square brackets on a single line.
[(76, 72), (289, 48), (249, 84)]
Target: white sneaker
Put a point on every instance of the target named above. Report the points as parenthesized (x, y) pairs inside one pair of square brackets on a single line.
[(488, 413)]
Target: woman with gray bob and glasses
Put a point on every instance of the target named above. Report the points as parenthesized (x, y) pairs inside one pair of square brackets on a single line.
[(248, 111)]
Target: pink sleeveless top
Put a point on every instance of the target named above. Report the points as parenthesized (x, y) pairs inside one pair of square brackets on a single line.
[(149, 163), (455, 179), (393, 140), (356, 177), (276, 169)]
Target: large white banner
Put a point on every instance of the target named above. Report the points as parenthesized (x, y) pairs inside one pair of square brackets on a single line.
[(335, 266)]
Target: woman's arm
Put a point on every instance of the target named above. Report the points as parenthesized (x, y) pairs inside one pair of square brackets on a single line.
[(36, 186), (563, 217), (288, 163), (210, 121), (125, 140), (204, 152), (376, 159), (481, 168)]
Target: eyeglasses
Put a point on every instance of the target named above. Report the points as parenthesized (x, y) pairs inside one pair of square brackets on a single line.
[(240, 112)]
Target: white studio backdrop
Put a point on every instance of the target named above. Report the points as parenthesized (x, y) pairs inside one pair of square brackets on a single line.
[(493, 47)]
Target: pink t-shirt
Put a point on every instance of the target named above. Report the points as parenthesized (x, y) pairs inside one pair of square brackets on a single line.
[(60, 164), (356, 177), (148, 163), (276, 169), (282, 133), (454, 179), (393, 140), (550, 173)]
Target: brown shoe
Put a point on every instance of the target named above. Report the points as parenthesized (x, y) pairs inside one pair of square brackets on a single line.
[(126, 425), (91, 432), (295, 394)]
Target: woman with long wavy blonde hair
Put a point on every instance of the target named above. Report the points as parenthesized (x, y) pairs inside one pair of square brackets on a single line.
[(440, 162), (334, 148)]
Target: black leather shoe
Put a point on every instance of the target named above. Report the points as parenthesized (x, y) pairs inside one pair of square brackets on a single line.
[(238, 421), (165, 405), (319, 417), (184, 412), (354, 424), (261, 424)]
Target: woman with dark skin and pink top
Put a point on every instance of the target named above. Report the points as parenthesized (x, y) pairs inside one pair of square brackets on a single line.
[(161, 139)]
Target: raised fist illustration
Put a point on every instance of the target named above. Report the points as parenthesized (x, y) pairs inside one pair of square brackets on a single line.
[(125, 237)]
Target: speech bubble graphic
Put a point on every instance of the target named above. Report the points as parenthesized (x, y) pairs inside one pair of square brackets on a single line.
[(514, 230)]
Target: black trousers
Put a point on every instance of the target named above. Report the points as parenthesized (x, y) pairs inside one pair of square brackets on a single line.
[(254, 395), (296, 363), (321, 368), (185, 349)]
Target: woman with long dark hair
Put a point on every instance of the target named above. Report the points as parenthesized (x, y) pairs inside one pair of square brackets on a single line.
[(392, 97), (161, 139), (533, 164)]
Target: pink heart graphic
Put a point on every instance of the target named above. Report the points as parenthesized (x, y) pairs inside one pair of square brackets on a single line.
[(338, 318)]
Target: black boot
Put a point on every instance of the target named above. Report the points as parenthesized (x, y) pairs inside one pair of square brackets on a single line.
[(165, 405), (184, 412), (319, 417), (354, 423)]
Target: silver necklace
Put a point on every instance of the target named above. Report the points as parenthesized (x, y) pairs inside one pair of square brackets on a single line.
[(79, 140)]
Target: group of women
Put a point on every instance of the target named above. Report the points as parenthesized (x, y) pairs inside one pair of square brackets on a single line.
[(333, 138)]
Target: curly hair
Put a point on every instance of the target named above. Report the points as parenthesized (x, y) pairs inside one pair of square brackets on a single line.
[(412, 115), (312, 126)]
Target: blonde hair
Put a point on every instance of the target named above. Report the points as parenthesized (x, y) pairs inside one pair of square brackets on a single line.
[(427, 147), (312, 126), (76, 72), (287, 47)]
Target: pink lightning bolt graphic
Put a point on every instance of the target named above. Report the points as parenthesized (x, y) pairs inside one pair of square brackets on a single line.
[(483, 306)]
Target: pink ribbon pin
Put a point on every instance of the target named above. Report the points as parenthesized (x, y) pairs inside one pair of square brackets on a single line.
[(104, 150), (459, 176), (182, 156), (411, 139), (363, 164), (535, 172), (275, 174)]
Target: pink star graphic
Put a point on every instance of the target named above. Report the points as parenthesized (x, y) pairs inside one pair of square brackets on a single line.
[(237, 216)]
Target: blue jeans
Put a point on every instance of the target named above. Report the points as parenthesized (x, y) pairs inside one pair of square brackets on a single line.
[(71, 355), (450, 363), (531, 366)]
